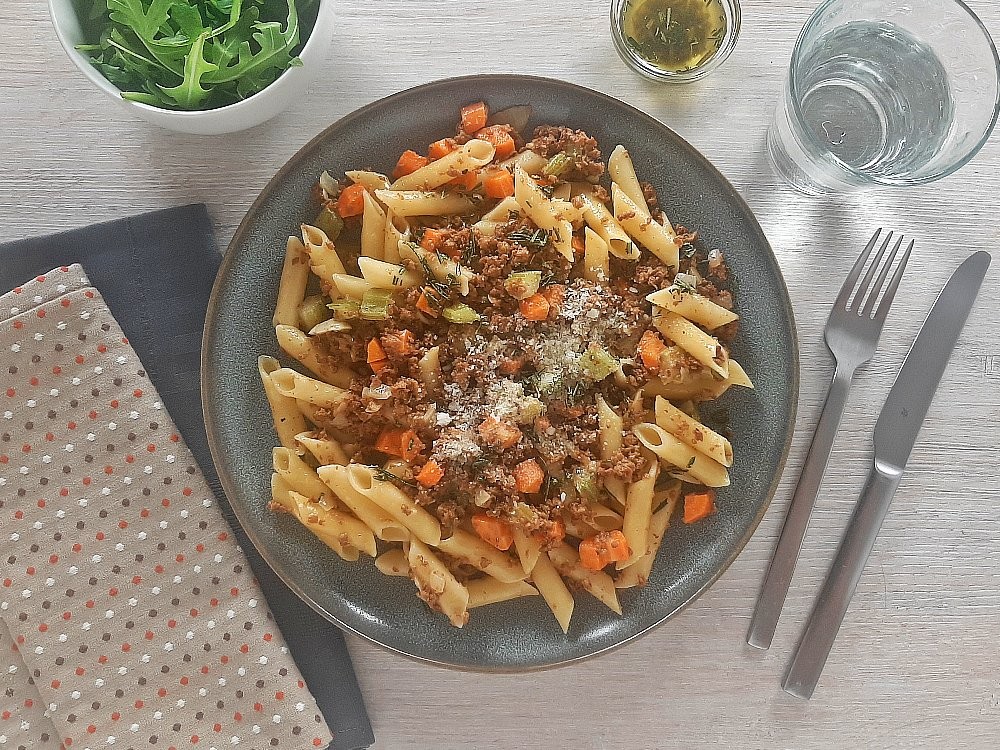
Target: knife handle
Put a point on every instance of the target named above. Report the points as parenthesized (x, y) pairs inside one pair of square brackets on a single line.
[(779, 574), (835, 597)]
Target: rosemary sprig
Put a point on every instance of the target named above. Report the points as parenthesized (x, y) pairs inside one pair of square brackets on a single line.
[(382, 475)]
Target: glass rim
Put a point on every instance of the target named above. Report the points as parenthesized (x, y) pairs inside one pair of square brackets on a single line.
[(647, 70), (793, 99)]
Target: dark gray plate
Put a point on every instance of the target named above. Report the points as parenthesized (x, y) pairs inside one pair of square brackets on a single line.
[(521, 634)]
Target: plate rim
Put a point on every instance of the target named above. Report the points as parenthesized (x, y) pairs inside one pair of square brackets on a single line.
[(209, 381)]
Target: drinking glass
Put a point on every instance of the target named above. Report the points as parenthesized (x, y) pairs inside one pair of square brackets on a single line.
[(885, 92)]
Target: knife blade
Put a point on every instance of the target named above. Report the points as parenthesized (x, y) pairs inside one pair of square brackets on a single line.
[(895, 434)]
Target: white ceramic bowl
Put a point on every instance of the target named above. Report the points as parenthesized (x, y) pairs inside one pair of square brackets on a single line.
[(258, 108)]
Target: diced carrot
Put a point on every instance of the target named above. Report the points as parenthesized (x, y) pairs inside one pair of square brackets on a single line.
[(441, 148), (425, 306), (351, 201), (500, 137), (554, 533), (432, 239), (651, 346), (430, 474), (408, 163), (499, 184), (698, 505), (398, 344), (535, 307), (493, 531), (395, 441), (474, 117), (528, 476), (499, 434), (466, 181), (377, 358), (603, 548)]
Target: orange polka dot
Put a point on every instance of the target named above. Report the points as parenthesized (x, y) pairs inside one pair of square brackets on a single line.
[(49, 437), (194, 612), (194, 739), (214, 602), (43, 628), (179, 558), (90, 604), (187, 492), (55, 684), (33, 381), (18, 324), (99, 536), (224, 659), (159, 568), (162, 692), (40, 279), (88, 294), (129, 459), (71, 425), (204, 670), (126, 647), (30, 570), (79, 359), (64, 302), (114, 403), (280, 695), (184, 680), (25, 448), (87, 481), (80, 671), (149, 635), (199, 547), (171, 623), (223, 536), (317, 742), (139, 704), (41, 504), (113, 591), (67, 615), (238, 716), (115, 716), (244, 649), (268, 637), (64, 491), (102, 659), (77, 547), (102, 348), (257, 707), (175, 438), (57, 370), (145, 514), (165, 503), (109, 470), (137, 393), (91, 729), (7, 582), (92, 414), (136, 580), (41, 313), (151, 448), (18, 514), (217, 727), (11, 393), (123, 524)]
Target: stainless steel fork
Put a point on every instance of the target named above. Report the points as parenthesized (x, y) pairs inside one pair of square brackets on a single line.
[(852, 334)]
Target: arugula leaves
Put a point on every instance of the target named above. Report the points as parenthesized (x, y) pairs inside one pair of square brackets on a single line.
[(192, 54)]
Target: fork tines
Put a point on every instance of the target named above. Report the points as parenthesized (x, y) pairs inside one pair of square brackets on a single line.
[(867, 298)]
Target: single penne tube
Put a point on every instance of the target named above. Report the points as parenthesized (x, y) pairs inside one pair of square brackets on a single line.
[(351, 286), (622, 173), (279, 492), (300, 477), (673, 452), (425, 203), (553, 590), (436, 585), (323, 258), (703, 347), (393, 562), (335, 525), (505, 210), (289, 502), (597, 583), (483, 591), (466, 158), (473, 551), (604, 518), (596, 266), (602, 221), (638, 511), (699, 385), (737, 377), (652, 235), (611, 429), (692, 432), (372, 229), (637, 574), (528, 548), (325, 450), (292, 286), (302, 347), (441, 266), (382, 275), (563, 192), (372, 515), (693, 306), (298, 386), (528, 160), (396, 503), (578, 527), (396, 230), (429, 367), (537, 207), (371, 181), (288, 420)]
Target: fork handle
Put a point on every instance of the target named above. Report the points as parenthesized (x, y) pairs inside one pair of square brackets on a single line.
[(779, 573)]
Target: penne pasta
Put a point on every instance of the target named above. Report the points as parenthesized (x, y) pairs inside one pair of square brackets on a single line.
[(543, 212), (351, 286), (473, 551), (622, 173), (430, 367), (436, 585), (467, 158), (672, 451), (383, 525), (653, 236), (702, 347), (638, 511), (396, 231), (692, 432), (288, 420), (338, 530), (382, 275), (396, 503), (603, 222), (325, 450), (546, 579), (371, 181), (485, 591), (323, 258), (441, 267), (528, 548), (425, 203), (302, 347), (693, 306), (298, 386), (595, 257), (604, 519), (595, 582), (527, 160), (611, 429), (372, 229), (637, 574), (292, 285), (300, 477), (505, 210), (393, 562)]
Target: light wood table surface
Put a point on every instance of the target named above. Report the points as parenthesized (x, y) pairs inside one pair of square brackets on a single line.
[(917, 664)]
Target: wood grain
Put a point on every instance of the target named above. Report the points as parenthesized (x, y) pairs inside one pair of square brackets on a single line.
[(917, 663)]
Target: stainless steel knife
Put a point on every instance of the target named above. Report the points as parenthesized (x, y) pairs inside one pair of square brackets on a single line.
[(895, 433)]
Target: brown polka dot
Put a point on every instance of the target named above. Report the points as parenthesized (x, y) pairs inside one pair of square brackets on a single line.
[(74, 403), (29, 425), (36, 359), (58, 347), (12, 370)]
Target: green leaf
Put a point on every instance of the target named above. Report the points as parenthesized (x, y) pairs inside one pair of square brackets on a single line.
[(188, 21), (274, 49), (189, 94), (223, 48), (145, 23)]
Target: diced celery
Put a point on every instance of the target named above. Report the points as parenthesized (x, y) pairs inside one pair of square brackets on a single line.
[(330, 223), (375, 304), (345, 309), (597, 364), (312, 312), (558, 165), (523, 284), (460, 314)]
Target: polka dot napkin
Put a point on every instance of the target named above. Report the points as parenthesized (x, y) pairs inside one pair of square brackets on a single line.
[(128, 616)]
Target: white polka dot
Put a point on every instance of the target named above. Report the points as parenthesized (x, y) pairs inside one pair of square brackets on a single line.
[(82, 502), (276, 718), (98, 370), (134, 728), (147, 469), (177, 579), (119, 547), (111, 739), (99, 682), (141, 536), (168, 646), (157, 405), (76, 381), (37, 299), (53, 707), (109, 614), (91, 437), (145, 658), (26, 594), (211, 625), (75, 695), (31, 403), (202, 692), (164, 524), (8, 414), (207, 503), (255, 729), (85, 315), (252, 603), (69, 447), (61, 325), (15, 536), (234, 740), (155, 590), (300, 706), (189, 635), (39, 650), (37, 525), (112, 426), (231, 614), (133, 415), (105, 491), (120, 360), (73, 570), (39, 336), (222, 681), (61, 288), (157, 715), (54, 392), (86, 626), (184, 513), (181, 703), (127, 480), (197, 568), (133, 601), (46, 459), (262, 660), (15, 348), (122, 670), (50, 581), (217, 558), (242, 671), (23, 470), (96, 558), (171, 459)]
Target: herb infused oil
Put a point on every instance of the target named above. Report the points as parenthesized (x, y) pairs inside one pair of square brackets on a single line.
[(674, 35)]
